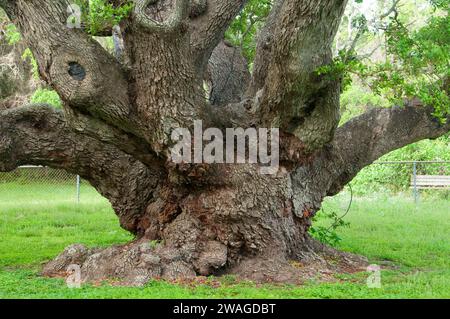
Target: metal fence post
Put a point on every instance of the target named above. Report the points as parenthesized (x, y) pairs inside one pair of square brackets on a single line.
[(78, 188), (416, 193)]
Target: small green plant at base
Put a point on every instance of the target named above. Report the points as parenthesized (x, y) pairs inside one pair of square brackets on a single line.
[(328, 235)]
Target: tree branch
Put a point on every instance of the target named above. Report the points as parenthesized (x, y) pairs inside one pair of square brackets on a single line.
[(390, 10), (297, 41), (39, 135), (128, 143), (264, 44), (208, 29), (353, 42), (366, 138), (228, 75)]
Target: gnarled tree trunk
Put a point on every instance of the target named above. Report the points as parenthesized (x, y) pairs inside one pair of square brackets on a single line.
[(200, 219)]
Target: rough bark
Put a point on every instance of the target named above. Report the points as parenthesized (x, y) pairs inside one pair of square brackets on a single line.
[(227, 76), (167, 92), (199, 219)]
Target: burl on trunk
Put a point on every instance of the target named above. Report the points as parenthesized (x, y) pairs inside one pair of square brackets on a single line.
[(174, 69)]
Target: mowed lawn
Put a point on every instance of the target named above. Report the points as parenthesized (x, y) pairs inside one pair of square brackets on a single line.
[(411, 241)]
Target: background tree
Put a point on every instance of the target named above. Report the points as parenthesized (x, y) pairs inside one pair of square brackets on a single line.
[(15, 70), (119, 112)]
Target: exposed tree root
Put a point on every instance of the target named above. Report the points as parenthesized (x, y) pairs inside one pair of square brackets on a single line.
[(137, 263)]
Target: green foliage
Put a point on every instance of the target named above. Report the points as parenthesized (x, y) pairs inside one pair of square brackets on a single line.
[(357, 100), (46, 96), (13, 37), (96, 14), (343, 68), (416, 63), (328, 234), (421, 65), (243, 30)]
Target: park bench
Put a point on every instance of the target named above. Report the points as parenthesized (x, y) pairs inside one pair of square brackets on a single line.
[(430, 181)]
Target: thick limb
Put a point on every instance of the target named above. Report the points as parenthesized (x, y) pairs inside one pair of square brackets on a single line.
[(39, 135), (358, 144), (228, 75), (297, 41), (368, 137), (208, 28)]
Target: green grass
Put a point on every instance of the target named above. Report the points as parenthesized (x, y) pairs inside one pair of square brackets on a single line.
[(36, 227)]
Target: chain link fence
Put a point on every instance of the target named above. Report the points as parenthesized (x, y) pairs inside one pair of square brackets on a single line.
[(33, 184)]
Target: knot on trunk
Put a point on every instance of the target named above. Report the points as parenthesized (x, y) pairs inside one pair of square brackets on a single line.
[(197, 8), (76, 71), (161, 15)]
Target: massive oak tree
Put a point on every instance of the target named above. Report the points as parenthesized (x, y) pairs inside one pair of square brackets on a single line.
[(119, 113)]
